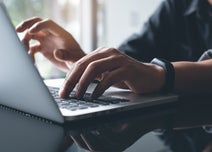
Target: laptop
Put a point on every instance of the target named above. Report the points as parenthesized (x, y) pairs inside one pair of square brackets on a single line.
[(22, 87)]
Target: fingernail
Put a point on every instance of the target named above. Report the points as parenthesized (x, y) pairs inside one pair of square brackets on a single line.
[(61, 93)]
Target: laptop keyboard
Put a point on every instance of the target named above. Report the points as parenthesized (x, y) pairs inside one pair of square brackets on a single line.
[(73, 104)]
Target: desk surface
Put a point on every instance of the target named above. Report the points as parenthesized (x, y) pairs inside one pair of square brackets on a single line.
[(184, 127)]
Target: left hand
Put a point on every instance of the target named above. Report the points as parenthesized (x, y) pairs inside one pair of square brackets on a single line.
[(55, 43), (114, 68)]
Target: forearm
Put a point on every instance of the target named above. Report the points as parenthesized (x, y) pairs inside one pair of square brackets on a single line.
[(193, 77)]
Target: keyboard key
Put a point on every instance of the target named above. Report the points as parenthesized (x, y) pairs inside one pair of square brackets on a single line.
[(73, 104), (101, 102), (83, 107)]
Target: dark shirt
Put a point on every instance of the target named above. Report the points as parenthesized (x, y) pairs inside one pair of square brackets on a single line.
[(178, 30), (187, 140)]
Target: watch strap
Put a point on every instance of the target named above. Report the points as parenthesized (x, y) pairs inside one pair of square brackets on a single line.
[(169, 73)]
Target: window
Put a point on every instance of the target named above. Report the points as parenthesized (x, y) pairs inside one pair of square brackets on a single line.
[(118, 19)]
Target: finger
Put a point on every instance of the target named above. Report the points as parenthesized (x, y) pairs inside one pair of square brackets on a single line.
[(76, 72), (113, 77), (47, 25), (121, 85), (93, 70), (62, 55), (70, 82), (25, 40), (32, 55), (34, 49), (28, 37), (81, 65), (27, 24), (68, 55), (72, 79), (95, 55)]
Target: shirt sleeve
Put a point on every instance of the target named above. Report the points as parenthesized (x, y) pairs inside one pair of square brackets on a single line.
[(155, 37), (206, 55)]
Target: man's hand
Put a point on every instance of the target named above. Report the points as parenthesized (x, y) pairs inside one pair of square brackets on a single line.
[(113, 67), (55, 43)]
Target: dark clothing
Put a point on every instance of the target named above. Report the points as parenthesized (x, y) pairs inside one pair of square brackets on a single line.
[(187, 140), (177, 31)]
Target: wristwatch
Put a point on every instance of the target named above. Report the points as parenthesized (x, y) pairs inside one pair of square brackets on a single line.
[(169, 73)]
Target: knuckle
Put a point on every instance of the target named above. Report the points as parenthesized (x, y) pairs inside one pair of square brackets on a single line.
[(23, 22), (93, 66), (106, 51), (33, 19), (100, 49), (36, 25), (36, 18), (112, 50), (47, 20), (79, 66)]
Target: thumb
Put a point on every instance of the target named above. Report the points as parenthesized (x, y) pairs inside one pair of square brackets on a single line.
[(62, 55)]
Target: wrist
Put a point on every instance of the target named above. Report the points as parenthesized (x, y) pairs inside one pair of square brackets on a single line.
[(158, 77), (169, 74)]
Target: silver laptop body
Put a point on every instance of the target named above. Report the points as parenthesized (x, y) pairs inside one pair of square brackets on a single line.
[(22, 88)]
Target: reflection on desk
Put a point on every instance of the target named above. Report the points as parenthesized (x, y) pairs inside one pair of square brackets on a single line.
[(165, 129), (21, 133)]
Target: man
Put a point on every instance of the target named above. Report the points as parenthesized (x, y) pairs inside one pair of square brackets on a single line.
[(177, 31)]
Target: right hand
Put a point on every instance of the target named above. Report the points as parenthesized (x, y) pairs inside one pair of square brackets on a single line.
[(112, 67), (55, 43)]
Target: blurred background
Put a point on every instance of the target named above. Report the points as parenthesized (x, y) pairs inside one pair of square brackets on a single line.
[(93, 23)]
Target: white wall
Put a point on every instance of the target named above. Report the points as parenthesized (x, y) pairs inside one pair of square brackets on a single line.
[(124, 17)]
